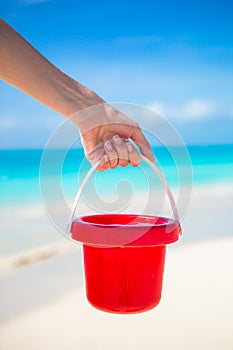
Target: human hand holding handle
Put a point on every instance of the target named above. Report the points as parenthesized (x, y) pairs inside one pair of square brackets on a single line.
[(106, 134)]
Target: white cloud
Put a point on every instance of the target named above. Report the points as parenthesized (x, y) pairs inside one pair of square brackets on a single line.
[(7, 123), (195, 109), (159, 108), (198, 109)]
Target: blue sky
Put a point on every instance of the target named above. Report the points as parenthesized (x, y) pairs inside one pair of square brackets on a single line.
[(173, 56)]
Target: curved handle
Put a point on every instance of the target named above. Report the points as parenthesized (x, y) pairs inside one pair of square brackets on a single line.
[(90, 172)]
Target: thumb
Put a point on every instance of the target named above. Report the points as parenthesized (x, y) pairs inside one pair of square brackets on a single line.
[(143, 144)]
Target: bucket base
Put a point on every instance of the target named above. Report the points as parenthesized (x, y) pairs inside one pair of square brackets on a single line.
[(124, 280), (123, 312)]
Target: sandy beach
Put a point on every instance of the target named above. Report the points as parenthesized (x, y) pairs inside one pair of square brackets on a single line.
[(43, 303), (43, 306)]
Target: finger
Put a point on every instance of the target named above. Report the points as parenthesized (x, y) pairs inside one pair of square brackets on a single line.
[(95, 155), (104, 164), (143, 144), (112, 154), (121, 150), (133, 155)]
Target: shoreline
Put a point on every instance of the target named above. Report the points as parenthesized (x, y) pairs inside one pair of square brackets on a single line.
[(212, 205), (32, 256), (223, 185)]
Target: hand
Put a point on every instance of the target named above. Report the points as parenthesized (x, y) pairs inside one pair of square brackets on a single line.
[(105, 134)]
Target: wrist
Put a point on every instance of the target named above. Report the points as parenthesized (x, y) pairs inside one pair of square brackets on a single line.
[(81, 101), (98, 115), (74, 97)]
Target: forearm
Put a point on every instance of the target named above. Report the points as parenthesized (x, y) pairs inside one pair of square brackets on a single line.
[(25, 68)]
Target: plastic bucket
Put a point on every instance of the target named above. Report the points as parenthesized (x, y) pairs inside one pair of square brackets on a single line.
[(124, 256), (124, 280)]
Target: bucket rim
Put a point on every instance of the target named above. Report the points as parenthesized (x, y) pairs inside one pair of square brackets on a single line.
[(95, 231), (166, 221)]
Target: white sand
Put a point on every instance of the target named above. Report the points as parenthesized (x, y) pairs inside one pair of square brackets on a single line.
[(196, 311)]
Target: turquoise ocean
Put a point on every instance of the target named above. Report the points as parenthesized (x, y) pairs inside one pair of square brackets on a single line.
[(20, 179), (20, 170)]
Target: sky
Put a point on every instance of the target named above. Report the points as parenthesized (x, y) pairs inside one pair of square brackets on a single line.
[(175, 57)]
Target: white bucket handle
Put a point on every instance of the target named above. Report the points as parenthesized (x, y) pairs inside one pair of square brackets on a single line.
[(90, 172)]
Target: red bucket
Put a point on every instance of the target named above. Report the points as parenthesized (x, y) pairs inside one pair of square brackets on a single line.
[(124, 256), (126, 278)]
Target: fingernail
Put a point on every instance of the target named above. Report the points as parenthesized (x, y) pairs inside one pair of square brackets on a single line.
[(108, 146), (117, 139), (129, 147)]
